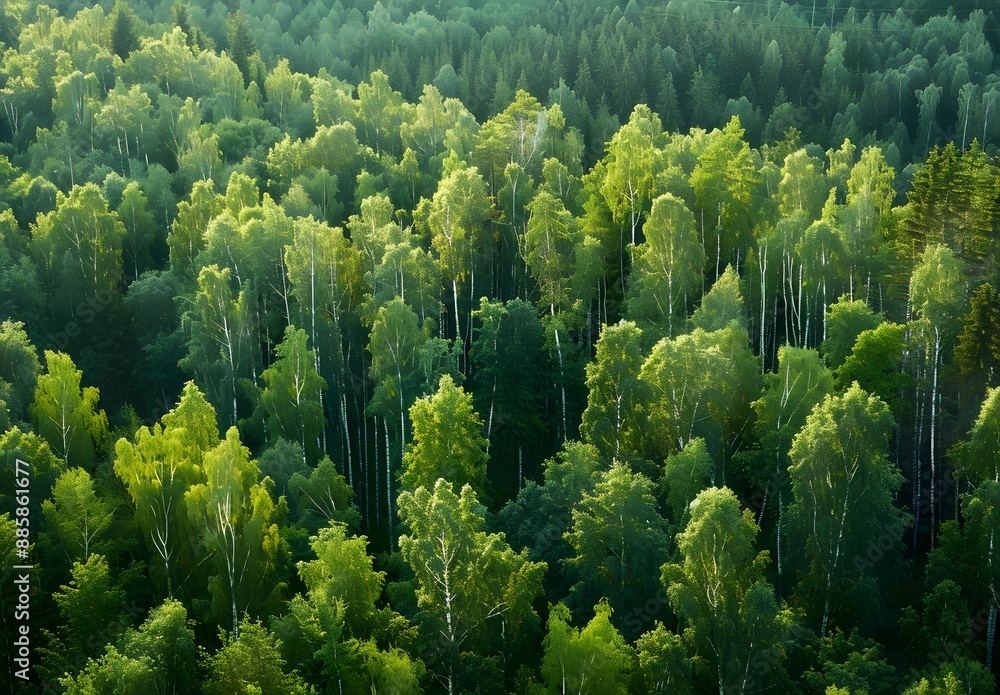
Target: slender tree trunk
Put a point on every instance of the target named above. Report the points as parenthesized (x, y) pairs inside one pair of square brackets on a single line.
[(670, 304), (965, 128), (781, 520), (562, 383), (376, 473), (937, 358), (718, 245), (467, 339), (991, 628), (458, 326), (918, 466), (762, 265), (363, 418), (621, 258), (520, 466), (489, 419), (347, 440), (388, 485)]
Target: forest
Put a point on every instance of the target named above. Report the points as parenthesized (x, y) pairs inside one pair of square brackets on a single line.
[(499, 347)]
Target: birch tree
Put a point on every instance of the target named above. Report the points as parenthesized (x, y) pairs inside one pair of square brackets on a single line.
[(507, 355), (731, 617), (238, 518), (65, 413), (80, 245), (291, 396), (594, 659), (473, 592), (686, 399), (843, 487), (220, 328), (631, 165), (19, 369), (157, 469), (324, 276), (550, 242), (612, 420), (790, 393), (981, 463), (938, 296), (447, 440), (457, 213), (620, 540), (75, 515), (723, 182), (187, 234), (668, 266)]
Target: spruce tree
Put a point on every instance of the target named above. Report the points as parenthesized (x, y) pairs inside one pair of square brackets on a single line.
[(124, 33)]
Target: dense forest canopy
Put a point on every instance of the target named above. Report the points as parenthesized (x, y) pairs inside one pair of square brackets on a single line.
[(500, 347)]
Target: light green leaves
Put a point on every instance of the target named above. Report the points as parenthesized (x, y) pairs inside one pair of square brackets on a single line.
[(447, 440)]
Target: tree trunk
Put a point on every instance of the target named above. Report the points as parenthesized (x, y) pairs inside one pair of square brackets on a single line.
[(520, 466), (937, 358), (562, 383), (489, 419), (781, 517), (458, 327), (375, 470), (991, 625), (991, 628), (762, 265), (347, 439), (388, 486)]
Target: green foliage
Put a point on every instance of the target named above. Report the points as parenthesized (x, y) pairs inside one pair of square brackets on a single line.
[(620, 540), (323, 497), (611, 420), (474, 592), (91, 607), (668, 266), (447, 441), (85, 263), (292, 395), (76, 515), (722, 304), (19, 370), (685, 475), (242, 44), (874, 363), (663, 662), (846, 320), (576, 659), (239, 525), (65, 413), (851, 662), (686, 400), (843, 486), (251, 663), (159, 655), (329, 217), (124, 32), (730, 611)]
